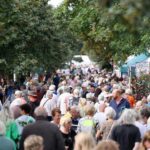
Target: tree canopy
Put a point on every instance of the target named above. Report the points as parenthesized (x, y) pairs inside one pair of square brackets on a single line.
[(31, 37), (110, 30)]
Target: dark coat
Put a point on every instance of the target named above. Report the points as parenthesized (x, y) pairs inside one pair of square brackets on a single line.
[(53, 139)]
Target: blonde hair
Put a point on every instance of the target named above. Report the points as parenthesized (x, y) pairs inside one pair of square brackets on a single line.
[(64, 120), (89, 109), (33, 142), (82, 102), (84, 141), (107, 145), (145, 138)]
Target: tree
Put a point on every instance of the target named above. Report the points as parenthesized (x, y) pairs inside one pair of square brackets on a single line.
[(110, 30), (30, 37)]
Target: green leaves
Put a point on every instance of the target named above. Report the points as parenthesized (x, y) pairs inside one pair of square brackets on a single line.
[(110, 30), (31, 36)]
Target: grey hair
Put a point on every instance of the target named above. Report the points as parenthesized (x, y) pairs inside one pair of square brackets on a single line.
[(128, 116), (76, 108), (110, 112), (33, 142), (40, 112), (89, 109), (18, 93), (2, 128), (49, 93)]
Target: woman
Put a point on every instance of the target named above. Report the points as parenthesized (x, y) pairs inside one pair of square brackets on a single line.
[(88, 124), (146, 141), (56, 115), (84, 141), (127, 134), (67, 133), (107, 126)]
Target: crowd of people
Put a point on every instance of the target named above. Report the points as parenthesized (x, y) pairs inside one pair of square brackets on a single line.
[(78, 110)]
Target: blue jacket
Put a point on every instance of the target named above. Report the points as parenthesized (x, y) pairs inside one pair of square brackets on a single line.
[(119, 107)]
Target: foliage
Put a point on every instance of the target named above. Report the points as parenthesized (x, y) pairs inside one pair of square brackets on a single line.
[(30, 37), (110, 29), (142, 86)]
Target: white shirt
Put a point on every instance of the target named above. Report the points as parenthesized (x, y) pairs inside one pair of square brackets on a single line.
[(141, 127), (100, 117), (63, 102), (49, 105)]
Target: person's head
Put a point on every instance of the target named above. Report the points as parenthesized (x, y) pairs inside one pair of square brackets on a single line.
[(128, 116), (56, 114), (15, 111), (76, 93), (101, 98), (52, 88), (84, 141), (33, 142), (145, 114), (106, 88), (32, 96), (84, 86), (116, 94), (49, 94), (89, 110), (82, 102), (25, 109), (18, 94), (40, 112), (92, 88), (2, 128), (128, 92), (107, 145), (89, 96), (65, 122), (146, 140), (138, 105), (110, 113), (74, 110)]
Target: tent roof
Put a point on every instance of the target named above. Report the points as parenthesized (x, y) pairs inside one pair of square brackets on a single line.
[(133, 61)]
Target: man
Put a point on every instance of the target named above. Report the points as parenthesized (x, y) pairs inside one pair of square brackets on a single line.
[(33, 100), (100, 116), (19, 100), (75, 116), (64, 101), (118, 103), (25, 118), (49, 132), (49, 104)]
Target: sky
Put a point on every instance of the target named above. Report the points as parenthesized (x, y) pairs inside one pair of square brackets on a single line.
[(55, 3)]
